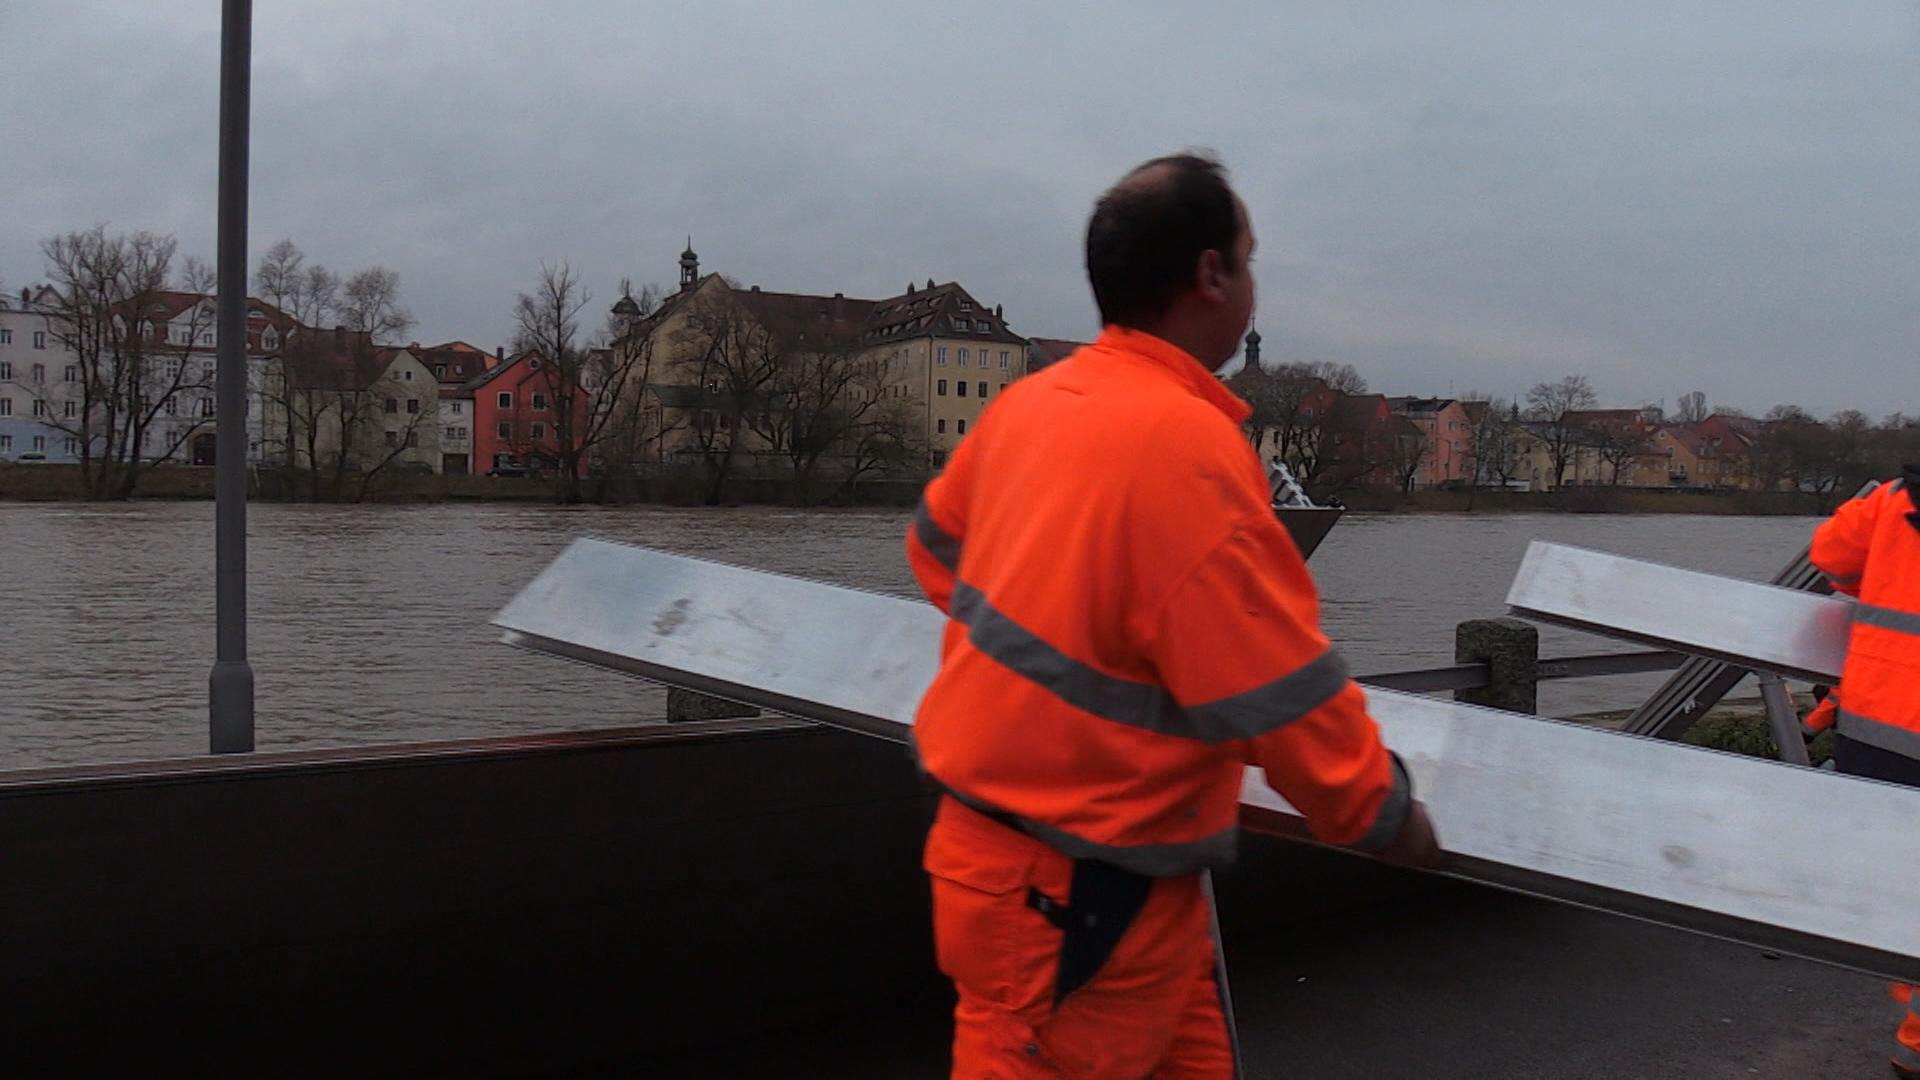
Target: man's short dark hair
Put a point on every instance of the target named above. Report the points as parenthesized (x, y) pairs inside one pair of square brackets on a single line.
[(1147, 235)]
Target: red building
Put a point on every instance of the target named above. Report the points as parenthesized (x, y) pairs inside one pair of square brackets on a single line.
[(514, 413)]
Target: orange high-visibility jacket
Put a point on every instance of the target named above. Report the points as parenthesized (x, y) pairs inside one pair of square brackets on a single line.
[(1130, 624), (1870, 548)]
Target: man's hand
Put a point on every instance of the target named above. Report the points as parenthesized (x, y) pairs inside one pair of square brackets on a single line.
[(1416, 846)]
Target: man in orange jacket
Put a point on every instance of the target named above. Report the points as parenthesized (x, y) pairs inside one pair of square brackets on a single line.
[(1870, 549), (1130, 627)]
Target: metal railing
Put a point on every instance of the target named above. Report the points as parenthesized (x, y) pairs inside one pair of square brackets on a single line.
[(1475, 676)]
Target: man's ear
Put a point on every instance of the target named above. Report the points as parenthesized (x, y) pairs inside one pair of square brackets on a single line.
[(1209, 276)]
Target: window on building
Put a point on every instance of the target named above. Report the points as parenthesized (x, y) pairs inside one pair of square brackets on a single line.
[(504, 431), (939, 458), (439, 371), (173, 406), (72, 374), (206, 407), (270, 339), (6, 406), (539, 402), (539, 431), (206, 339), (39, 373), (505, 399), (940, 356), (39, 339), (413, 406), (40, 442), (393, 438), (406, 374), (963, 358), (966, 305), (960, 389), (983, 389), (6, 371), (73, 447), (940, 425), (454, 407), (1005, 361), (6, 442), (39, 407), (963, 427), (6, 336), (940, 388), (73, 409), (413, 438), (393, 405), (1003, 387)]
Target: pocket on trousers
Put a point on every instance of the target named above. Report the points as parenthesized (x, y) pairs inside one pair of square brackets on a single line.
[(981, 918)]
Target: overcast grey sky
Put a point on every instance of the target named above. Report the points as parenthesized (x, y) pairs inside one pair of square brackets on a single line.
[(1449, 196)]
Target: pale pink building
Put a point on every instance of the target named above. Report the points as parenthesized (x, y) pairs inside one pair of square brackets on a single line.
[(1449, 439)]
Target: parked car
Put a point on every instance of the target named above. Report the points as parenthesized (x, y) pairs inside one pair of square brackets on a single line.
[(507, 470), (32, 457)]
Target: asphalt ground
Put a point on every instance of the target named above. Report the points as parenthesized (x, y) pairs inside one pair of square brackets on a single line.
[(1455, 982)]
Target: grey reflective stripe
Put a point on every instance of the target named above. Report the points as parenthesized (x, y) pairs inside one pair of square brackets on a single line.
[(1151, 860), (1278, 703), (1393, 813), (1889, 737), (1109, 697), (1886, 618), (1139, 704), (1843, 580), (939, 543)]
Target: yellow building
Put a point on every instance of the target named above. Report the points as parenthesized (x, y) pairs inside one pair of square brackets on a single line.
[(934, 356), (950, 351)]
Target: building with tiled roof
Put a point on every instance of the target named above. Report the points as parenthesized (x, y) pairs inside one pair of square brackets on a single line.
[(941, 352)]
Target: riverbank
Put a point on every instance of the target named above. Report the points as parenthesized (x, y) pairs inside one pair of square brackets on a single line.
[(1595, 500), (62, 483)]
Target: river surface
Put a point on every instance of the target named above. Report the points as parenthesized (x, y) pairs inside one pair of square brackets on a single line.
[(369, 624)]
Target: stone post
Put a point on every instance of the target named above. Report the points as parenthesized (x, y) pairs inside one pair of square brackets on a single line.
[(1511, 650)]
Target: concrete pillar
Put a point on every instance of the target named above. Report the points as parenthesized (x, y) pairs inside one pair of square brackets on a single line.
[(687, 705), (1511, 650)]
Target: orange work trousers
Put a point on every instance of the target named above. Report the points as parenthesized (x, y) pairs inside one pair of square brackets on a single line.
[(1150, 1010)]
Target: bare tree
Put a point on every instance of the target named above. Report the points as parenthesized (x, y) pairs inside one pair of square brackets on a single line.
[(1493, 442), (112, 309), (595, 392), (1551, 402), (1407, 449), (826, 398), (370, 303), (621, 367), (1620, 444), (734, 361), (547, 323), (1693, 408), (889, 439), (309, 296)]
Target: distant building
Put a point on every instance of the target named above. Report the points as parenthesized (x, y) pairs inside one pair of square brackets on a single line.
[(43, 382), (1445, 440), (935, 349), (1043, 353)]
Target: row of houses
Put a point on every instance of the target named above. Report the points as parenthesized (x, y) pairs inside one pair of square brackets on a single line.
[(722, 372), (333, 398)]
